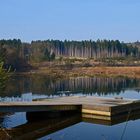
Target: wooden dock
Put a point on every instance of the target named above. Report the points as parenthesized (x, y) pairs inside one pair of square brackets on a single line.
[(86, 105)]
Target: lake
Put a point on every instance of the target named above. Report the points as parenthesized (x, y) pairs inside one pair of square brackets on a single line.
[(71, 126)]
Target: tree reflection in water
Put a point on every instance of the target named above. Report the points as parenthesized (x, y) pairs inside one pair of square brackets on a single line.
[(3, 78), (46, 85)]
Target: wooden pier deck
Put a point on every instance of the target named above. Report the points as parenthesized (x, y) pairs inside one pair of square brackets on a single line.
[(86, 105)]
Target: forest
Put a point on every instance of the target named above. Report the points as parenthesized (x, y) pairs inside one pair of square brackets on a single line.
[(20, 55)]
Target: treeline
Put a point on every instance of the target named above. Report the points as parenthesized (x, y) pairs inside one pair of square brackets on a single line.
[(11, 53), (3, 72), (89, 49), (19, 55)]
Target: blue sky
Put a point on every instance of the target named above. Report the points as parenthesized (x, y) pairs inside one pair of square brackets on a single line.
[(70, 19)]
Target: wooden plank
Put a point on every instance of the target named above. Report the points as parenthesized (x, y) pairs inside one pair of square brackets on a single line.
[(35, 108), (134, 105), (96, 107), (103, 113), (95, 116)]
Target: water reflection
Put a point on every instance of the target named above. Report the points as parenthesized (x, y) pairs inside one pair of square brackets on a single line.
[(40, 85), (26, 88), (37, 129), (3, 81)]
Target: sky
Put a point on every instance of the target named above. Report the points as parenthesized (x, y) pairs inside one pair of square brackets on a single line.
[(70, 19)]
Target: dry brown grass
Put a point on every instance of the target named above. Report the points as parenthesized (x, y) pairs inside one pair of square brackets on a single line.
[(112, 71), (90, 71)]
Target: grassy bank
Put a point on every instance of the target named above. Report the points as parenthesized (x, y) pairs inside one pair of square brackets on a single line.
[(132, 72)]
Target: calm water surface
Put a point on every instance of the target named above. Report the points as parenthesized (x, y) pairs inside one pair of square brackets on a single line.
[(23, 88)]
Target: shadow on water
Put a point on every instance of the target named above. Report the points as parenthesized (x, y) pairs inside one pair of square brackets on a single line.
[(37, 127)]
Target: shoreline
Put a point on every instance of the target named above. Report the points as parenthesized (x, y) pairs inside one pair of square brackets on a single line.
[(130, 72)]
